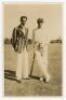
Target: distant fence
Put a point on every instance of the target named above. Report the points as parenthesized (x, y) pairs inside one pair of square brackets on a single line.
[(56, 41), (8, 41)]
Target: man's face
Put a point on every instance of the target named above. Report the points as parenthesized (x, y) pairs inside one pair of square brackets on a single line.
[(23, 21), (40, 24)]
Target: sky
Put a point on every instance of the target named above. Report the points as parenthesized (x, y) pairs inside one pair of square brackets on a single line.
[(51, 13)]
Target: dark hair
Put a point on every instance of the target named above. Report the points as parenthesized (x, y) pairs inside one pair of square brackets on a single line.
[(21, 18), (40, 20)]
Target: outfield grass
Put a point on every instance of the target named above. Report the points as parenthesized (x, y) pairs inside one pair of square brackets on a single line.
[(33, 87)]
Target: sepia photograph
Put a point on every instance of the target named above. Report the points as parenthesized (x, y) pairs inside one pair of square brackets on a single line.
[(33, 49)]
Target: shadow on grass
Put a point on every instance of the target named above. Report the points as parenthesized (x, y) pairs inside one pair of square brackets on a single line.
[(8, 74), (34, 77)]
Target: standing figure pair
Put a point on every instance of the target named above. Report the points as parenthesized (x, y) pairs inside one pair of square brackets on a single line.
[(40, 46)]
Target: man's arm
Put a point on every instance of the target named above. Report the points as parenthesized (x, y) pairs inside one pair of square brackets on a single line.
[(14, 36), (26, 37)]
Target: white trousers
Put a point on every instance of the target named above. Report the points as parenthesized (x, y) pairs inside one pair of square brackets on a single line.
[(22, 70), (43, 62)]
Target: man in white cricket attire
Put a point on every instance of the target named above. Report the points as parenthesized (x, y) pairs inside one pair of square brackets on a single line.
[(40, 45)]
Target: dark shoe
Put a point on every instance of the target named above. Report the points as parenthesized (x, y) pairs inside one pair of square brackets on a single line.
[(47, 80)]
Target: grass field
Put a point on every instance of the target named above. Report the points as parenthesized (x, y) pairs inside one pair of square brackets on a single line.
[(33, 87)]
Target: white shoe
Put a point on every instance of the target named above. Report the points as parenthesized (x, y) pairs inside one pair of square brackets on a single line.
[(47, 79), (41, 78)]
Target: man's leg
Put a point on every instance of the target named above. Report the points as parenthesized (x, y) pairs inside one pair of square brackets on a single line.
[(43, 66), (26, 65), (19, 66)]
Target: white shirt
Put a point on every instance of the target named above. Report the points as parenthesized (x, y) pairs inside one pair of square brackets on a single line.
[(40, 36)]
